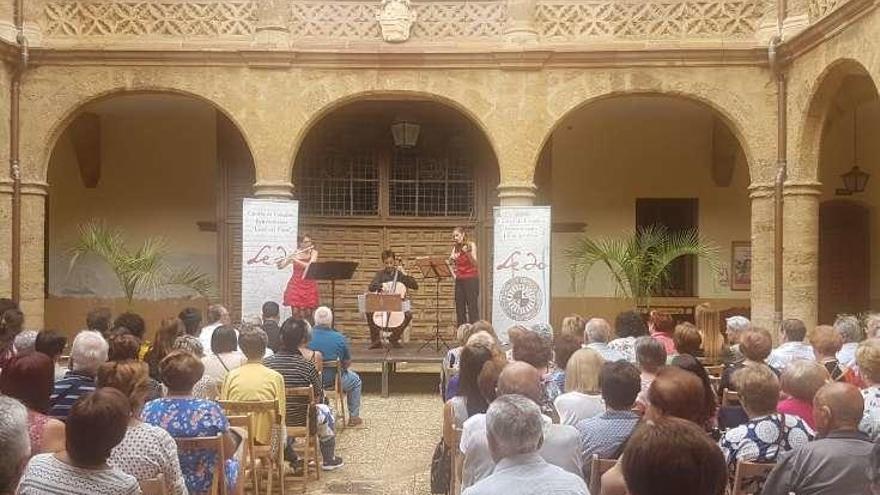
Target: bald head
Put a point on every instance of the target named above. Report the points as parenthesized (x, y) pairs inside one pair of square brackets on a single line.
[(520, 378), (837, 406)]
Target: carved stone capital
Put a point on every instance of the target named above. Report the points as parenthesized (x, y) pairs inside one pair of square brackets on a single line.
[(516, 194), (395, 18), (272, 26), (273, 189), (521, 25), (802, 188), (34, 188)]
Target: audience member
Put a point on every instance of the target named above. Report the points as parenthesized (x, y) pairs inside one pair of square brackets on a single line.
[(793, 332), (7, 335), (462, 333), (169, 330), (532, 348), (88, 352), (827, 342), (314, 357), (850, 331), (679, 393), (687, 339), (146, 451), (122, 347), (14, 439), (29, 379), (733, 330), (581, 399), (25, 342), (334, 346), (98, 319), (563, 348), (767, 433), (96, 423), (134, 324), (835, 463), (183, 416), (868, 360), (689, 363), (468, 400), (299, 372), (452, 362), (217, 315), (514, 433), (628, 326), (271, 321), (560, 446), (573, 326), (597, 333), (192, 327), (755, 344), (606, 434), (800, 381), (52, 343), (255, 382), (661, 326), (872, 325), (223, 358), (650, 357), (671, 456)]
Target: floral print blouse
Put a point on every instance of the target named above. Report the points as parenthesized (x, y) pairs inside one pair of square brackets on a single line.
[(191, 417)]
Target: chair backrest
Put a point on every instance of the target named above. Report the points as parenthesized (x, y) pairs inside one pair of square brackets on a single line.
[(213, 444), (597, 469), (153, 486), (715, 370), (248, 407), (457, 461), (294, 393), (335, 365), (750, 476), (730, 398)]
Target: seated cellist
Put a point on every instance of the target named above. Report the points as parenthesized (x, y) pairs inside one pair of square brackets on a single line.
[(390, 280)]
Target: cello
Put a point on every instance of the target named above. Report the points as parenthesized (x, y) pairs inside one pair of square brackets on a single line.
[(392, 320)]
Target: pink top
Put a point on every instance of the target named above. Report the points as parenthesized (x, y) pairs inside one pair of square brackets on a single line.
[(799, 408), (666, 340)]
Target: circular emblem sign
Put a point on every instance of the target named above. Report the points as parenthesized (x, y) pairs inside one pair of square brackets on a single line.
[(521, 298)]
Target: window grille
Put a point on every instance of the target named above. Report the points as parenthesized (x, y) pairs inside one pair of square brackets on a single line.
[(339, 185), (428, 186)]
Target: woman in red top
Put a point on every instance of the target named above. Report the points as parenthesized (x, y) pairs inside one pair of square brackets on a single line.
[(467, 278), (301, 293)]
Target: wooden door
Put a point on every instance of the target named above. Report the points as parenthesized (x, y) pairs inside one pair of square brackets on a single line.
[(844, 259)]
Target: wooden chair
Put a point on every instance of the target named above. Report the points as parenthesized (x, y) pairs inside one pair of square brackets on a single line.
[(457, 462), (248, 468), (597, 469), (310, 446), (729, 398), (213, 444), (336, 393), (153, 486), (750, 476), (262, 455), (715, 370)]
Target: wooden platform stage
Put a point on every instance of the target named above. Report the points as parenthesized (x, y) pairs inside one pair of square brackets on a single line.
[(389, 357)]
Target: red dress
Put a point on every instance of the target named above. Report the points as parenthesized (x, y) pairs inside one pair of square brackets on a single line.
[(301, 293)]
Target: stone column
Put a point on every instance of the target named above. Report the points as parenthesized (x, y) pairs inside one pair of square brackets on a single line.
[(516, 194), (272, 28), (33, 246), (521, 26), (273, 189), (5, 237), (801, 248), (762, 221)]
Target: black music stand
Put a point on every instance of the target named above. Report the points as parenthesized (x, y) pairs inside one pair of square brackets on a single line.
[(437, 269), (332, 271)]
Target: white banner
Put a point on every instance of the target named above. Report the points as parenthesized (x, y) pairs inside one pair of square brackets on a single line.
[(269, 228), (521, 275)]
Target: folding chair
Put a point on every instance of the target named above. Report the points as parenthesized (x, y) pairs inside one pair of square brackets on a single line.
[(457, 462), (336, 393), (749, 477), (274, 460), (213, 444), (249, 467), (153, 486), (597, 469), (310, 448)]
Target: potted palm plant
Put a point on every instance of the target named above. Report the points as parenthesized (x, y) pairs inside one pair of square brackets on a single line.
[(640, 262), (144, 269)]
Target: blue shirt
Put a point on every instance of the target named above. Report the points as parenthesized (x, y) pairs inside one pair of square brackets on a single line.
[(67, 391), (332, 345), (605, 434)]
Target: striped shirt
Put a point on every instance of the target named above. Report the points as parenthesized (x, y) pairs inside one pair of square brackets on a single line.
[(297, 372), (45, 475), (67, 391)]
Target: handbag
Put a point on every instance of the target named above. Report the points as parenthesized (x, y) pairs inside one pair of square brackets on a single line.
[(441, 468)]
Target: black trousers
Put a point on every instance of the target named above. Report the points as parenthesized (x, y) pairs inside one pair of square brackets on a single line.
[(467, 300), (376, 330)]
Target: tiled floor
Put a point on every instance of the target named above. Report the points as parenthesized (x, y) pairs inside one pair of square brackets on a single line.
[(390, 453)]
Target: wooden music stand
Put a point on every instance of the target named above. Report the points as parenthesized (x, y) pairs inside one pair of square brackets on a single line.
[(332, 271), (382, 303), (434, 267)]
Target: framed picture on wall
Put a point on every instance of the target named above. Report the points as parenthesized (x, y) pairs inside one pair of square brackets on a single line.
[(740, 265)]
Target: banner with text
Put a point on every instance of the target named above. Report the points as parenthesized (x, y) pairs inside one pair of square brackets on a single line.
[(521, 274), (269, 228)]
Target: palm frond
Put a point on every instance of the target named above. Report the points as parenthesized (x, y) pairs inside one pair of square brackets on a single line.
[(191, 278)]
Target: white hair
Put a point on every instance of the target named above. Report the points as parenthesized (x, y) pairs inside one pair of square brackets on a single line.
[(88, 352), (597, 330), (514, 425), (323, 316), (849, 328), (738, 323), (14, 439), (872, 325), (25, 342)]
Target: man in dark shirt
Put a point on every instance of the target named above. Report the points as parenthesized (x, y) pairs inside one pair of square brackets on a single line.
[(382, 282), (839, 460), (88, 352), (270, 325), (298, 372)]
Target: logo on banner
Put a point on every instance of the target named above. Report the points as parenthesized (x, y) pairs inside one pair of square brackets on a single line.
[(521, 298)]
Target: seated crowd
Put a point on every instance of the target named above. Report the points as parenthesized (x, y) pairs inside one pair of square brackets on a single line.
[(109, 418), (532, 412)]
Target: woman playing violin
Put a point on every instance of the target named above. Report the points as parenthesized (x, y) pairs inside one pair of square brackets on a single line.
[(301, 293), (467, 277)]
